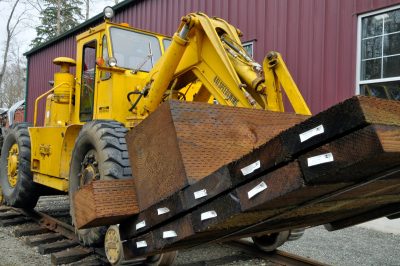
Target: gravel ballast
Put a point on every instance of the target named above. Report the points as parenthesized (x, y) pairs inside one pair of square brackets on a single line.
[(351, 246)]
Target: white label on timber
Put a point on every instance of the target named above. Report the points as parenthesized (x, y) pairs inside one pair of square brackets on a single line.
[(251, 168), (162, 210), (311, 133), (169, 234), (141, 244), (140, 225), (208, 215), (257, 189), (320, 159), (47, 114), (200, 194)]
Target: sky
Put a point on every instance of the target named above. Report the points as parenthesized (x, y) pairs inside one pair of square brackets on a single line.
[(26, 32)]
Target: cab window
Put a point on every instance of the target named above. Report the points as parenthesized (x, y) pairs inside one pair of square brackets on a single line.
[(166, 43), (134, 50), (88, 81), (105, 75)]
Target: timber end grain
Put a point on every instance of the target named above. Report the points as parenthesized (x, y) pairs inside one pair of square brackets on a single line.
[(105, 202)]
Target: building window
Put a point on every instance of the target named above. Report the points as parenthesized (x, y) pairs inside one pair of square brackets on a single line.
[(248, 47), (378, 71)]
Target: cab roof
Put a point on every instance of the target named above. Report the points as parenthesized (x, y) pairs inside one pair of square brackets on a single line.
[(93, 22)]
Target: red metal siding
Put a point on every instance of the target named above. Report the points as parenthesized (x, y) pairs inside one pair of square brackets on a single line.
[(317, 38), (41, 70)]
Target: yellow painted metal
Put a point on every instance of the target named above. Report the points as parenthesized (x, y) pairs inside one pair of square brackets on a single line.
[(209, 51), (64, 81), (205, 62), (46, 149), (51, 154), (51, 181), (65, 63), (12, 165), (277, 74), (35, 112), (68, 144), (163, 76)]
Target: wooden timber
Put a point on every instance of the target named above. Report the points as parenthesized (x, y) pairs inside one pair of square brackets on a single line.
[(70, 255), (194, 229), (341, 119), (105, 202), (57, 246), (273, 188), (186, 235), (354, 156), (182, 142), (43, 239), (32, 230), (276, 153)]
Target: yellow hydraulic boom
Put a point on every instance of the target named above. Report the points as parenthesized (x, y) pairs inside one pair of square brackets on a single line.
[(209, 50)]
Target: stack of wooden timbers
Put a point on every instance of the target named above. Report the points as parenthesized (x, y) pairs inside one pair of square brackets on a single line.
[(208, 173)]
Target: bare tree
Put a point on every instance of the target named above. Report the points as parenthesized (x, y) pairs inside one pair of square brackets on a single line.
[(58, 17), (87, 6), (36, 4), (87, 3), (116, 1), (10, 34), (13, 87)]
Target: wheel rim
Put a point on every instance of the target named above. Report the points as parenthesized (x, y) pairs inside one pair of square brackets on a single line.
[(90, 170), (112, 245), (12, 165)]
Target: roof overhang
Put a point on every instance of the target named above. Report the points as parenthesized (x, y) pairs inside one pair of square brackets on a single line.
[(80, 28)]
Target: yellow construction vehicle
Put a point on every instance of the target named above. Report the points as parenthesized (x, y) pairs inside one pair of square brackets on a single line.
[(122, 75)]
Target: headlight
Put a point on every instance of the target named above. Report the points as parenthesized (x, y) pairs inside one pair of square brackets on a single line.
[(112, 61), (108, 12)]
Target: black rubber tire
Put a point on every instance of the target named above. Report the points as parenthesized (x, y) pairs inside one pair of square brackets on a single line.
[(1, 140), (25, 194), (295, 234), (270, 242), (107, 139), (164, 259)]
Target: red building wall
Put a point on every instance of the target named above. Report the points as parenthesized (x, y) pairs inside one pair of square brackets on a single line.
[(317, 38)]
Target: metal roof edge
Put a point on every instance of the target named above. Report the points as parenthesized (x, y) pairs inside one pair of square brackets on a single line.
[(83, 25)]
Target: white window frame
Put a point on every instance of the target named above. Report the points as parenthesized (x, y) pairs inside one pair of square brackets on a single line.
[(251, 44), (358, 63)]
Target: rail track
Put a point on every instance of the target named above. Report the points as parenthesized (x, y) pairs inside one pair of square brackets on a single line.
[(51, 232)]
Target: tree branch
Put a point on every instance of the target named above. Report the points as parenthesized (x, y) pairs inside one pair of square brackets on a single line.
[(8, 40)]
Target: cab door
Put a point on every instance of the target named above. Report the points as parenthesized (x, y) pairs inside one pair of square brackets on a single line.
[(86, 78)]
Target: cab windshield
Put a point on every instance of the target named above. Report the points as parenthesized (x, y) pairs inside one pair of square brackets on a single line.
[(134, 50)]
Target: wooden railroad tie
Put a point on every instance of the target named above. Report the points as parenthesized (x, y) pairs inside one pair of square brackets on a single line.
[(105, 202), (70, 255), (43, 239), (305, 163)]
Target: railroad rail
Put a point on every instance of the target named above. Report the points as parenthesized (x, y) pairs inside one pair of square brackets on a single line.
[(54, 236), (279, 257)]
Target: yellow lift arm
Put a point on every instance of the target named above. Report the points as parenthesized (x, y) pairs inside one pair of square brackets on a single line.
[(209, 50)]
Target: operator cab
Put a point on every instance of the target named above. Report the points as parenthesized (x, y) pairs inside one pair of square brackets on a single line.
[(113, 59)]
